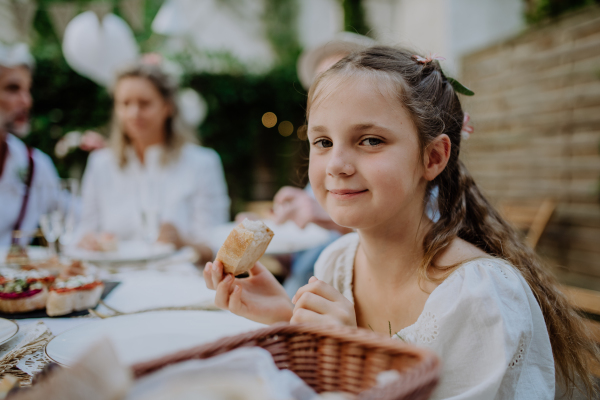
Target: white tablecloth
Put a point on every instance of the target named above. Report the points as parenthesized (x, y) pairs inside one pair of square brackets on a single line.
[(167, 283)]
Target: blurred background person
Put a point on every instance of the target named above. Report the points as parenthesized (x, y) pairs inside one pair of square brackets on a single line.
[(29, 184), (153, 182), (299, 205)]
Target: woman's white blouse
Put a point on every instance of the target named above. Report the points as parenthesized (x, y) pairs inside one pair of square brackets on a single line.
[(189, 192), (483, 321)]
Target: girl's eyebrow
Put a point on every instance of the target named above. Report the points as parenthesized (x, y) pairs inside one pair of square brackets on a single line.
[(369, 127), (318, 128)]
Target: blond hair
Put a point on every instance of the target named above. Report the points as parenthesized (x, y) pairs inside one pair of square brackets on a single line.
[(177, 134), (464, 212)]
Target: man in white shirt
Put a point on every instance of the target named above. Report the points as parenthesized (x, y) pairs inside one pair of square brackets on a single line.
[(29, 184)]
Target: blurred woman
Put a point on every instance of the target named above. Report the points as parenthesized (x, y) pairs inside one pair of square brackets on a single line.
[(153, 182)]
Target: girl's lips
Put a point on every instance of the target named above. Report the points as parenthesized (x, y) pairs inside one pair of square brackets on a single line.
[(346, 194)]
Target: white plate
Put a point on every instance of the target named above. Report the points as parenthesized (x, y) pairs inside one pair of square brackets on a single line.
[(8, 329), (145, 336), (289, 238), (35, 254), (127, 251)]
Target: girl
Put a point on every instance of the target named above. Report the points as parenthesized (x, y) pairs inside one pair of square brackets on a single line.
[(385, 130), (152, 171)]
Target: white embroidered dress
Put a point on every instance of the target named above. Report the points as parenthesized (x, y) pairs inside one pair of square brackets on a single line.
[(483, 322)]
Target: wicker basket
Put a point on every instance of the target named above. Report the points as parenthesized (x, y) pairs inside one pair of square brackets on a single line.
[(330, 359)]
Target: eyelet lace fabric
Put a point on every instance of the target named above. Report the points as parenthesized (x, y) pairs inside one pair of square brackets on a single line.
[(427, 328), (519, 356)]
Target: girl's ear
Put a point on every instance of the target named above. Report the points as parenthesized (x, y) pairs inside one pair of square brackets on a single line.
[(436, 156)]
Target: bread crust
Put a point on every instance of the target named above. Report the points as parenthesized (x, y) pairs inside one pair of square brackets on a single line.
[(237, 244), (74, 300), (25, 304)]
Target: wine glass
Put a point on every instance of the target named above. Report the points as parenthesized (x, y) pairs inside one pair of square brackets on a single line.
[(52, 226), (69, 194)]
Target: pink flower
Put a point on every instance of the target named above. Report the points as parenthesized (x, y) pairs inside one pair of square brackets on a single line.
[(92, 141), (428, 59), (152, 59), (466, 130)]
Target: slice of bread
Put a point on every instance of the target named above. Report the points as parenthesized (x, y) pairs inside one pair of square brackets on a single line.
[(74, 300), (25, 304), (246, 243)]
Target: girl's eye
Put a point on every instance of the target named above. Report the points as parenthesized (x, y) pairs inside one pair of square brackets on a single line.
[(371, 142), (323, 143)]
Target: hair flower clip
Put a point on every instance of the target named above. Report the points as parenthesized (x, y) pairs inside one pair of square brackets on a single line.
[(428, 59), (467, 129)]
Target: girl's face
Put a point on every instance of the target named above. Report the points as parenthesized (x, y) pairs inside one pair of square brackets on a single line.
[(365, 165), (141, 110)]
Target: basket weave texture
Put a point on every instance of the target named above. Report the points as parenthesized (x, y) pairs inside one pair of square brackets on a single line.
[(330, 359)]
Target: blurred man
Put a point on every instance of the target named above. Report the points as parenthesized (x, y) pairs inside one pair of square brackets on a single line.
[(28, 180)]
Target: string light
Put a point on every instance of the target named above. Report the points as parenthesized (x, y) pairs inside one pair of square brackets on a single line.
[(269, 119), (286, 128)]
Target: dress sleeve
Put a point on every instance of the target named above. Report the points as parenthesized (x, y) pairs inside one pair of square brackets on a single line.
[(489, 332), (211, 203)]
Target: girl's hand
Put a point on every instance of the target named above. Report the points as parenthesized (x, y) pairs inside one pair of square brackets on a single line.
[(259, 297), (321, 303)]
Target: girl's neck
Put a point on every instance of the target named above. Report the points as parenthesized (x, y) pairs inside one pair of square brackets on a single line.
[(393, 252), (140, 146)]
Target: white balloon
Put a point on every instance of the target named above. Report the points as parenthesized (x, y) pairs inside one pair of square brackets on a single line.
[(97, 50), (192, 106)]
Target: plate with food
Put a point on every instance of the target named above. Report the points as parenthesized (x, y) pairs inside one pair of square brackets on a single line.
[(145, 336), (288, 237), (38, 293), (123, 251)]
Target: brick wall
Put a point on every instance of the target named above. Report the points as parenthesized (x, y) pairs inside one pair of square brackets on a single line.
[(536, 114)]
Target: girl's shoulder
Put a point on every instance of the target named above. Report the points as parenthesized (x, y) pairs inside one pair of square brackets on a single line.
[(336, 262)]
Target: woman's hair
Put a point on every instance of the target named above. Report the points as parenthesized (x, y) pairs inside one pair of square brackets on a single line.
[(434, 107), (176, 132)]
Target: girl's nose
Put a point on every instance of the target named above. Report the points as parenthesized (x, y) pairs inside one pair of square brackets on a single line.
[(340, 164)]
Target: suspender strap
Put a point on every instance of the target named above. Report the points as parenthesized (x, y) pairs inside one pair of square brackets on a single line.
[(3, 156), (17, 226)]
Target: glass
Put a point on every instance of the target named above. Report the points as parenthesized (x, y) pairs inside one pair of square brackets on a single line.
[(70, 196), (59, 222), (51, 224), (150, 215)]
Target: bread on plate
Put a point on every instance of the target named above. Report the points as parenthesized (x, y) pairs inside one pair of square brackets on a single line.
[(76, 293)]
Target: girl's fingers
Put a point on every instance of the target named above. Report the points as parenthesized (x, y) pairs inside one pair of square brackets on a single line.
[(304, 316), (207, 275), (216, 273), (319, 288), (315, 303), (235, 301), (223, 292)]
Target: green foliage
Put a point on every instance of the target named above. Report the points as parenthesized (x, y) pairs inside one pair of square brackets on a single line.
[(539, 10), (354, 17), (65, 101), (235, 130)]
